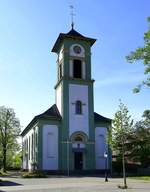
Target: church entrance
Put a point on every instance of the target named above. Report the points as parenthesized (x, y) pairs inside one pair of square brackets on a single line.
[(78, 160)]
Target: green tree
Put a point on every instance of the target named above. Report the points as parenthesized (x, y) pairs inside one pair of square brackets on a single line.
[(146, 118), (13, 160), (121, 127), (142, 54), (9, 131), (139, 141)]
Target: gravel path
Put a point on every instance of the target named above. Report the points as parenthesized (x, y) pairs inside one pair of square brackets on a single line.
[(72, 184)]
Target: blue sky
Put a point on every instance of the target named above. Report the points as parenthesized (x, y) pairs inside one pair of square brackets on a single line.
[(28, 30)]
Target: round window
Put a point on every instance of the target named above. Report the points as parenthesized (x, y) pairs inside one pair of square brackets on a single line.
[(77, 49)]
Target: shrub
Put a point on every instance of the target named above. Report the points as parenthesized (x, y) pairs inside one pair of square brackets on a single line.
[(37, 174)]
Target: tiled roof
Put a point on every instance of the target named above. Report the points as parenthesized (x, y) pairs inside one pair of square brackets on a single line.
[(100, 118)]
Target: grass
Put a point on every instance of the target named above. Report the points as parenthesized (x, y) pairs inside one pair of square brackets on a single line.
[(146, 178), (33, 175), (3, 173), (122, 187)]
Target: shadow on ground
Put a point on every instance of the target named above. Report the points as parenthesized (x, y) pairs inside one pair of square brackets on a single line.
[(8, 183)]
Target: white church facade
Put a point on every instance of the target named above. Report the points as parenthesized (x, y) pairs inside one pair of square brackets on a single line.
[(69, 136)]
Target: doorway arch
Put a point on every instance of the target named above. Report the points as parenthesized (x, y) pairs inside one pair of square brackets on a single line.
[(79, 140)]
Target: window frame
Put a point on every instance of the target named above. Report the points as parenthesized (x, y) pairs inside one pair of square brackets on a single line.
[(78, 107), (77, 73)]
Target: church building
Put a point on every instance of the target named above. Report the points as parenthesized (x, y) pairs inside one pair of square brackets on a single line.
[(69, 136)]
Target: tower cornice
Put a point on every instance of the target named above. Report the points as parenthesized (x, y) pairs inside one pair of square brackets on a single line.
[(74, 80)]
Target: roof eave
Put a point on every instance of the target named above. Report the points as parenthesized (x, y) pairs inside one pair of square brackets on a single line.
[(103, 121), (34, 121), (62, 36)]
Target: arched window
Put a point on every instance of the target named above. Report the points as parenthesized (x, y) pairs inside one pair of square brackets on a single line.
[(78, 138), (78, 107)]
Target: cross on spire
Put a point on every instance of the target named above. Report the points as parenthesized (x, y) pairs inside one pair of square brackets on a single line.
[(72, 16)]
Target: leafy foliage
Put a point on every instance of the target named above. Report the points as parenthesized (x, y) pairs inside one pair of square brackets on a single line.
[(37, 174), (122, 126), (139, 141), (142, 54), (9, 131)]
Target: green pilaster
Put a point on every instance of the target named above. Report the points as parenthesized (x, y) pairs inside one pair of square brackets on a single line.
[(40, 147)]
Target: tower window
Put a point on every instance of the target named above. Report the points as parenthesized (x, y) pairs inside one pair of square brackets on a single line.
[(60, 71), (77, 68), (78, 107)]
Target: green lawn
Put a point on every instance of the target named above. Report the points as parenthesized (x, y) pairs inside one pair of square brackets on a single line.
[(146, 178)]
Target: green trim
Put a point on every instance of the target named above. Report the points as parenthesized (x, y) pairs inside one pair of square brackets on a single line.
[(103, 124), (65, 123), (40, 147), (90, 162), (74, 81), (32, 124)]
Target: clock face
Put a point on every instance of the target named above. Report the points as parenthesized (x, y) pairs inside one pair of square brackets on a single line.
[(77, 49)]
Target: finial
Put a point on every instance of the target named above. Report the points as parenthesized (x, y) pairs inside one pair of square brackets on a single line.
[(72, 16)]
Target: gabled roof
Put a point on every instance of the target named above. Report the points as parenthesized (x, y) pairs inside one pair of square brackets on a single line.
[(51, 114), (71, 34), (100, 118)]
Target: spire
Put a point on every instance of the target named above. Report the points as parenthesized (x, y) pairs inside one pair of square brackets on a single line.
[(72, 16)]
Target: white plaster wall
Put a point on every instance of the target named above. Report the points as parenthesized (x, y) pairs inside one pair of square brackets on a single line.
[(72, 53), (100, 146), (50, 147), (27, 162), (58, 98), (78, 122)]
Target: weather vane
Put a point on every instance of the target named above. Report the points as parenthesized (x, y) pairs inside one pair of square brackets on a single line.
[(72, 16)]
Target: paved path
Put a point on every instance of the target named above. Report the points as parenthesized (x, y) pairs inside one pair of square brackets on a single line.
[(72, 184)]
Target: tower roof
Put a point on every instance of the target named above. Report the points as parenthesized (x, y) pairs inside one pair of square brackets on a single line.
[(72, 34)]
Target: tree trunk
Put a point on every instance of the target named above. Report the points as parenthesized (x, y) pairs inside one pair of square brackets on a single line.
[(4, 159), (123, 166)]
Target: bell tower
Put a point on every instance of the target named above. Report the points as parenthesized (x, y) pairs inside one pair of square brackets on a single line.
[(74, 94)]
